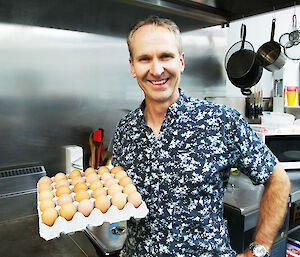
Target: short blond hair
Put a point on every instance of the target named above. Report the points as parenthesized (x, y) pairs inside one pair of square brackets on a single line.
[(156, 21)]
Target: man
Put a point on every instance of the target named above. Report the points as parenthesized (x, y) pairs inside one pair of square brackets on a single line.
[(179, 152)]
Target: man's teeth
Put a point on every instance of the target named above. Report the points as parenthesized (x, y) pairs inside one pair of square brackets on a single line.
[(160, 82)]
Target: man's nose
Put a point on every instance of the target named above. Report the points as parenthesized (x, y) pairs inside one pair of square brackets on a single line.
[(156, 68)]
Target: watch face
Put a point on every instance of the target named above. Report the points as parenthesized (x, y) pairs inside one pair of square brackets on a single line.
[(259, 251)]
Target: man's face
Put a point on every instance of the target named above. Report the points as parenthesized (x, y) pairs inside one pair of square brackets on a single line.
[(156, 63)]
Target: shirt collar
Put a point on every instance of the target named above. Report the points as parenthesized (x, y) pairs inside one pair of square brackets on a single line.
[(174, 109)]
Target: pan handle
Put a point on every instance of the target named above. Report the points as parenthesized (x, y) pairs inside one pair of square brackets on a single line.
[(294, 22), (273, 29), (246, 91), (243, 35)]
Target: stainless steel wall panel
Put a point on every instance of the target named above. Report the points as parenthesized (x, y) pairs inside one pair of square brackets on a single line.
[(57, 86)]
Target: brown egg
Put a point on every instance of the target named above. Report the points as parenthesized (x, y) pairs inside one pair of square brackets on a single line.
[(80, 186), (110, 182), (85, 207), (125, 181), (103, 170), (98, 192), (67, 211), (66, 198), (102, 203), (44, 180), (74, 173), (121, 174), (95, 184), (77, 180), (119, 200), (88, 171), (135, 198), (114, 189), (106, 176), (45, 195), (44, 186), (63, 190), (81, 194), (92, 177), (114, 170), (45, 204), (59, 176), (49, 216), (129, 189), (62, 182)]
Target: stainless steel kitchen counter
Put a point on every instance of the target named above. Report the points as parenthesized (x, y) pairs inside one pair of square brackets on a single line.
[(242, 194), (21, 238)]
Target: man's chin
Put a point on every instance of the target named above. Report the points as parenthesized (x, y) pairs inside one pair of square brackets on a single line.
[(164, 97)]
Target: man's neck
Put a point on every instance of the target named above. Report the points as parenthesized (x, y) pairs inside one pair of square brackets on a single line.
[(155, 114)]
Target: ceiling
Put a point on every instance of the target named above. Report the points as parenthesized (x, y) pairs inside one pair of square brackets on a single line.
[(115, 17)]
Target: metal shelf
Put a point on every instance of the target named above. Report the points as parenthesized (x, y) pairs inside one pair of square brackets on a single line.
[(292, 107), (293, 228)]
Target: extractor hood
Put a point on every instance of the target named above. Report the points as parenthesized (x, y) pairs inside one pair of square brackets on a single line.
[(115, 17)]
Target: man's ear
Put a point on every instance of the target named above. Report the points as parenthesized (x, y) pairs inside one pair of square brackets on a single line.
[(132, 69), (182, 62)]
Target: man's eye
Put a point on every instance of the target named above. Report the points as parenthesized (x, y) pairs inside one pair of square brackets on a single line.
[(144, 59), (166, 57)]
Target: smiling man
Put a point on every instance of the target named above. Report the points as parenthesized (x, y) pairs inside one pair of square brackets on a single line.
[(157, 63), (179, 152)]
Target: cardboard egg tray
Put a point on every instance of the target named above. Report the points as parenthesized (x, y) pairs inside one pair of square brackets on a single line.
[(79, 221)]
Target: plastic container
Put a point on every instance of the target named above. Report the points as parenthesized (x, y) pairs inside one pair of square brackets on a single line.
[(276, 120), (292, 95)]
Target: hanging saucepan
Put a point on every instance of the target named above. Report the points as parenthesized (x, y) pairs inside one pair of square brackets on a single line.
[(291, 42), (269, 55), (240, 63)]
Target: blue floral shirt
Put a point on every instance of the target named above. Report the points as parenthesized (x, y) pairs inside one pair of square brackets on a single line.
[(183, 174)]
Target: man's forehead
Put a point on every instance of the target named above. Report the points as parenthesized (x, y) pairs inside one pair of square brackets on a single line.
[(150, 30), (151, 37)]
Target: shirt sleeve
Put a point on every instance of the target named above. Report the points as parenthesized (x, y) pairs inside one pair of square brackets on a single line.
[(249, 153)]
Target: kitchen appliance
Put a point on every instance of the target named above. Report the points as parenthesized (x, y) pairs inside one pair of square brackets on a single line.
[(284, 143), (73, 155), (18, 191)]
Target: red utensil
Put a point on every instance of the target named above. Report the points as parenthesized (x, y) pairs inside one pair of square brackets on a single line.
[(97, 138)]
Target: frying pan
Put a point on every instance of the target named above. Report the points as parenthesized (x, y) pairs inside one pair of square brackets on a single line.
[(241, 68), (269, 55)]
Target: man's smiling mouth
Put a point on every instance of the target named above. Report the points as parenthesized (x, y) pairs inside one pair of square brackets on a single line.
[(159, 82)]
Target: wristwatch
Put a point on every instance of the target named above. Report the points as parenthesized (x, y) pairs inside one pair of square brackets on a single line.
[(258, 250)]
